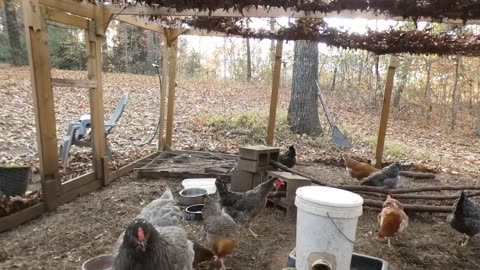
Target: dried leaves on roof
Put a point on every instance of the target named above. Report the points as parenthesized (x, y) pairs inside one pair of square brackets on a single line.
[(387, 42), (435, 9)]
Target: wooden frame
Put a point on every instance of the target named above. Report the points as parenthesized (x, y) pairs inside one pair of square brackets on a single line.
[(95, 19)]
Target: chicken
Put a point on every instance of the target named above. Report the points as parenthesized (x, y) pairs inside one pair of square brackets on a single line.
[(290, 157), (155, 239), (465, 217), (358, 169), (244, 206), (392, 219), (220, 230), (387, 177)]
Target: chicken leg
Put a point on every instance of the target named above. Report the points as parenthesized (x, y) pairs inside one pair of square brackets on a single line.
[(389, 245), (465, 243), (252, 233)]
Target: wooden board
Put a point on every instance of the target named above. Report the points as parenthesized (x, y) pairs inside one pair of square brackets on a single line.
[(129, 167), (75, 193), (382, 130), (155, 174), (82, 9), (59, 16), (43, 100), (137, 21), (20, 217), (94, 63), (77, 182), (274, 98), (74, 83)]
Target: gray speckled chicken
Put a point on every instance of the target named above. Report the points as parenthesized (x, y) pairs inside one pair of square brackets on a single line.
[(387, 177), (160, 243), (220, 230), (244, 206), (465, 217)]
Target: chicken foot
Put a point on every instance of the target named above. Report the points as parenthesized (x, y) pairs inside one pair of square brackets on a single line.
[(252, 233), (389, 245), (467, 239), (222, 262)]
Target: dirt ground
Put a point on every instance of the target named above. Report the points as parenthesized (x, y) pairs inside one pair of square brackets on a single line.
[(89, 226)]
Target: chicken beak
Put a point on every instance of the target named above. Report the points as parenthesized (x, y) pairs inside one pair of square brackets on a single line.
[(142, 244)]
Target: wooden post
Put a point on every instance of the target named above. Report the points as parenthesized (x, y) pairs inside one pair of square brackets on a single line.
[(274, 98), (40, 73), (382, 131), (171, 86), (95, 36), (161, 127)]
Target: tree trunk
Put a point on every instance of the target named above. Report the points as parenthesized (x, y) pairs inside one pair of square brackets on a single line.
[(427, 84), (378, 87), (303, 108), (249, 58), (16, 55), (334, 79), (151, 48), (402, 83), (454, 94)]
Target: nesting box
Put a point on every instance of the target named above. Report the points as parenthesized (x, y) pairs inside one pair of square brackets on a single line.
[(293, 182), (257, 158), (252, 166)]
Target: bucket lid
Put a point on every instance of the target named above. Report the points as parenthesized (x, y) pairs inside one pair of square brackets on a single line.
[(198, 182), (329, 196)]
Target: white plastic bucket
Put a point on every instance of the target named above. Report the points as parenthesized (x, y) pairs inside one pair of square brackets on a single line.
[(326, 224), (206, 183)]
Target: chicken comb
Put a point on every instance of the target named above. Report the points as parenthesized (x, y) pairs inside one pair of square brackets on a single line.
[(140, 233), (279, 183)]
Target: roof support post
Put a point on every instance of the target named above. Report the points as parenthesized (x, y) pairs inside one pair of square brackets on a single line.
[(40, 72), (172, 44), (163, 94), (95, 36), (382, 131), (274, 98)]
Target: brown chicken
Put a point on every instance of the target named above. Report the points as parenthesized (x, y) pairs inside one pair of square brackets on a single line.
[(220, 230), (244, 206), (358, 169), (392, 219)]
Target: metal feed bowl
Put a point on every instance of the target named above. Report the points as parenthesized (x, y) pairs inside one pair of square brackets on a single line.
[(102, 262), (191, 196), (194, 212)]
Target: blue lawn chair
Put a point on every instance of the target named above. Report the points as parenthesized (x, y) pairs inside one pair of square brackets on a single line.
[(77, 131)]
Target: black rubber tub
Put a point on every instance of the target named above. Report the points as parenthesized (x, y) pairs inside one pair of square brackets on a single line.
[(14, 180), (359, 262)]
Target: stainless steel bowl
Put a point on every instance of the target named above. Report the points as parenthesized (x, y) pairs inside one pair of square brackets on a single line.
[(191, 196), (102, 262)]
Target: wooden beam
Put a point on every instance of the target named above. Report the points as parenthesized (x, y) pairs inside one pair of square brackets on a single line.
[(382, 131), (171, 86), (59, 16), (40, 73), (79, 8), (22, 216), (274, 98), (130, 167), (78, 182), (137, 21), (75, 193), (263, 12), (163, 94), (94, 52), (73, 83)]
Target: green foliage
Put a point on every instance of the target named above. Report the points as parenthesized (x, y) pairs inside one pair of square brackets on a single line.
[(130, 49), (193, 63), (71, 54), (251, 126)]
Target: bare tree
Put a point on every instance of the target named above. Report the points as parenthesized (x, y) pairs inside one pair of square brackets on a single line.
[(303, 108), (16, 55), (454, 94)]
